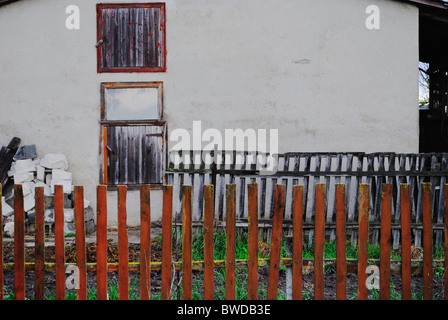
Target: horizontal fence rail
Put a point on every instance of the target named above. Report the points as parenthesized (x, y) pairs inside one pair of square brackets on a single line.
[(294, 233)]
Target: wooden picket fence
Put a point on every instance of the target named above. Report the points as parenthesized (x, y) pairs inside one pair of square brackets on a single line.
[(186, 265), (219, 168)]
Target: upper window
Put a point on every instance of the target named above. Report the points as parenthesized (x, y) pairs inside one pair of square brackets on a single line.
[(131, 37)]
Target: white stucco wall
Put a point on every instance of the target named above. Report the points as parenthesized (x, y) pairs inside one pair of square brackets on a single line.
[(310, 69)]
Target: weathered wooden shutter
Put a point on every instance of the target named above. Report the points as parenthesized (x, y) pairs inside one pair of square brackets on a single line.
[(133, 37), (135, 154)]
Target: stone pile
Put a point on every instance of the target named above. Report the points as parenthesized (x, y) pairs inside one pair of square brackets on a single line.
[(31, 171)]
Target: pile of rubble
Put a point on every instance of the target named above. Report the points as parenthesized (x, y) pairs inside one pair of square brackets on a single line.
[(31, 171)]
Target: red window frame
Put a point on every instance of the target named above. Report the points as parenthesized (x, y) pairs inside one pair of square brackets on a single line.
[(101, 6)]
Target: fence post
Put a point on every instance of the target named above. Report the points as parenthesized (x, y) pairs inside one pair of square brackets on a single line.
[(19, 244), (59, 241), (230, 241), (39, 248), (385, 241), (276, 238), (167, 220), (145, 243), (209, 267), (405, 203), (252, 285), (319, 240), (341, 256), (363, 238), (289, 281), (427, 241), (101, 241), (2, 280), (80, 237), (186, 243), (445, 207), (297, 246), (123, 248)]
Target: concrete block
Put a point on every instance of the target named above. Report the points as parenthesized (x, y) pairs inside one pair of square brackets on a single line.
[(66, 185), (40, 173), (90, 226), (59, 174), (7, 210), (20, 178), (69, 215), (54, 161), (28, 188), (49, 216), (69, 227), (28, 202), (88, 214), (24, 166), (9, 230)]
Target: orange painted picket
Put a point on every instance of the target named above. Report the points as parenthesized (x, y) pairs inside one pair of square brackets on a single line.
[(19, 244), (101, 240), (280, 223), (252, 272), (276, 238), (167, 220), (187, 290), (386, 235), (209, 267), (80, 239), (363, 237), (59, 241), (297, 247), (341, 261), (2, 277), (39, 247)]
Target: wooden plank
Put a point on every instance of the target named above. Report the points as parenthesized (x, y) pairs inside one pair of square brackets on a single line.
[(319, 240), (341, 262), (405, 203), (276, 239), (363, 238), (145, 242), (209, 270), (39, 247), (427, 241), (2, 276), (252, 271), (230, 241), (297, 245), (445, 217), (186, 243), (80, 239), (59, 242), (101, 240), (123, 246), (19, 244), (385, 240), (167, 219)]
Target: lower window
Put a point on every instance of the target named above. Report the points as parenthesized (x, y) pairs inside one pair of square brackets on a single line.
[(133, 134)]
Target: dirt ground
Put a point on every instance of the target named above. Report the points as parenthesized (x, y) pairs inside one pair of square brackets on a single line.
[(134, 256)]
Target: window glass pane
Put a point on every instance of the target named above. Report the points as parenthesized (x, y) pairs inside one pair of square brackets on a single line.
[(132, 104)]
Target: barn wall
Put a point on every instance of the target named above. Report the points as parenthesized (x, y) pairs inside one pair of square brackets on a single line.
[(310, 69)]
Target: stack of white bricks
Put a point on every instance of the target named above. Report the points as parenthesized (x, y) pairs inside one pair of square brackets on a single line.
[(44, 172)]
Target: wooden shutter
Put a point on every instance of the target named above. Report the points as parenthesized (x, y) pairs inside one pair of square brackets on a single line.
[(133, 37), (135, 154)]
